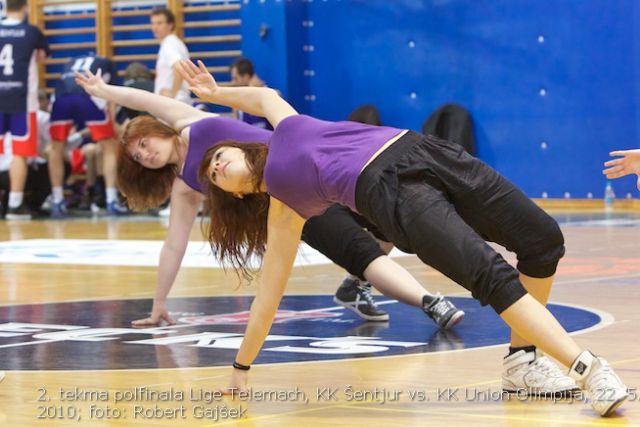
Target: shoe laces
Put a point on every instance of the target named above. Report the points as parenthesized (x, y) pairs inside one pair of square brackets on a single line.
[(364, 292), (441, 307), (603, 378), (544, 365)]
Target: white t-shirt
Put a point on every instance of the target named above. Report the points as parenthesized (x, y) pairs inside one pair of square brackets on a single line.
[(172, 50)]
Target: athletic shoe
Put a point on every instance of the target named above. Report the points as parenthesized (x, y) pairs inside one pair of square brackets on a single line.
[(531, 373), (116, 209), (596, 376), (59, 210), (19, 213), (1, 375), (356, 296), (164, 213), (442, 311)]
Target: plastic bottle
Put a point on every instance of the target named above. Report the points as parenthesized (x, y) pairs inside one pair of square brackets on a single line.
[(609, 196)]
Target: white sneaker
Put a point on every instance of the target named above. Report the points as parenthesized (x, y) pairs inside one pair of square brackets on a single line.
[(164, 213), (1, 375), (533, 373), (596, 376)]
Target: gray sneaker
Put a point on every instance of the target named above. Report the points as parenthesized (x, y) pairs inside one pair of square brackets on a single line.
[(442, 311), (356, 296)]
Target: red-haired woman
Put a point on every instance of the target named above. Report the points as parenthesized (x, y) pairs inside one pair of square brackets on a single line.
[(158, 159), (427, 195)]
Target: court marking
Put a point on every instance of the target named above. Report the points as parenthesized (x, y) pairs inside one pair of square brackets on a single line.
[(605, 319)]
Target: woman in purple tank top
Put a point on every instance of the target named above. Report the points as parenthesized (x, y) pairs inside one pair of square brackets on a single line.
[(427, 195), (159, 160)]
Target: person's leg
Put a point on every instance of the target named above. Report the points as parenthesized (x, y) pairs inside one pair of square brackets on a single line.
[(417, 215), (339, 236), (90, 154), (535, 324), (109, 169), (103, 132), (38, 185), (501, 213), (18, 179), (336, 235), (56, 177), (24, 140), (64, 112)]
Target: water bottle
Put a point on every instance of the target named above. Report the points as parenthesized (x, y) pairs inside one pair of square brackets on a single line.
[(609, 196)]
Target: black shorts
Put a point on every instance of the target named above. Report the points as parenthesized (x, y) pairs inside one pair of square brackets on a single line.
[(339, 234)]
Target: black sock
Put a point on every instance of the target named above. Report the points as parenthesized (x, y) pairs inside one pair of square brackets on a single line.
[(527, 348)]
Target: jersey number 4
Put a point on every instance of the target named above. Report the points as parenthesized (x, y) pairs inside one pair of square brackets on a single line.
[(6, 59)]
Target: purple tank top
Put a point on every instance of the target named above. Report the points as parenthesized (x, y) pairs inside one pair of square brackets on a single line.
[(313, 164), (205, 133)]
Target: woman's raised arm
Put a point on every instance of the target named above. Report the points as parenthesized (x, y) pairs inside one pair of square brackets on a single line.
[(259, 101), (175, 113)]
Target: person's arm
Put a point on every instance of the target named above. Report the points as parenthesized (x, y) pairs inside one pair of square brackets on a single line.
[(184, 208), (259, 101), (177, 82), (627, 163), (175, 113), (284, 227), (41, 55)]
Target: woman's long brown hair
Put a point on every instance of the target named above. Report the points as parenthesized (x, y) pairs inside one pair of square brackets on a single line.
[(238, 227), (144, 188)]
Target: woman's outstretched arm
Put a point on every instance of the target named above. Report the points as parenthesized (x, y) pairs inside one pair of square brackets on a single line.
[(175, 113), (259, 101), (284, 228), (185, 203)]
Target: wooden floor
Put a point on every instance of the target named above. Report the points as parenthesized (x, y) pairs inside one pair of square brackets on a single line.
[(601, 270)]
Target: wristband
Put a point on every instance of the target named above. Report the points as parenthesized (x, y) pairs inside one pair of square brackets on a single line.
[(241, 367)]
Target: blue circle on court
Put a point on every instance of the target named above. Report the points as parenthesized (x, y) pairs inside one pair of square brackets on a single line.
[(96, 335)]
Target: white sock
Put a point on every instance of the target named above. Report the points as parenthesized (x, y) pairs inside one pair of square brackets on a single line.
[(15, 199), (112, 195), (58, 194)]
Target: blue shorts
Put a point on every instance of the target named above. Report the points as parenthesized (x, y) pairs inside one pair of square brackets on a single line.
[(23, 127), (80, 111)]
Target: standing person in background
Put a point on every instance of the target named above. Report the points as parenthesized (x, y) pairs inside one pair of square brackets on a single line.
[(243, 74), (37, 186), (21, 46), (168, 81), (73, 107)]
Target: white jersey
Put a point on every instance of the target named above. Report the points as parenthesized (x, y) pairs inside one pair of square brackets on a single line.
[(172, 50)]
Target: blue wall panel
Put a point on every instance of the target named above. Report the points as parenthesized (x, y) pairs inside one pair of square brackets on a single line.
[(410, 56)]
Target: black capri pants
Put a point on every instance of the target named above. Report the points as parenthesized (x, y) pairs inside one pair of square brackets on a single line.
[(431, 198), (339, 234)]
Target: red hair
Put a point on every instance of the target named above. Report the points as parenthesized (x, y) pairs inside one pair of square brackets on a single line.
[(145, 188)]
